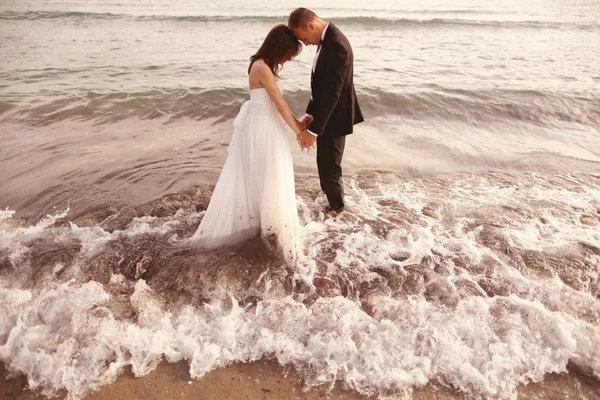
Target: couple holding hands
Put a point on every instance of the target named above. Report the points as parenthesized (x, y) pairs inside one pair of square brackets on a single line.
[(255, 193)]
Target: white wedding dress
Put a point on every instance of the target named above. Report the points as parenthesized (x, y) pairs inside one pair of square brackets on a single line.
[(255, 192)]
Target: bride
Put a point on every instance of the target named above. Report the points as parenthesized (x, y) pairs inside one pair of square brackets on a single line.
[(255, 192)]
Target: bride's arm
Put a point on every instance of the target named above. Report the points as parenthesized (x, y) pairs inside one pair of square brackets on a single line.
[(267, 79)]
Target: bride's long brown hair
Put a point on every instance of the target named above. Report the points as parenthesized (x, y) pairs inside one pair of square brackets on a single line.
[(279, 46)]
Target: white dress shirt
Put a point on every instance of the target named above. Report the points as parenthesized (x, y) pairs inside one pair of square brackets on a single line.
[(314, 65), (319, 48)]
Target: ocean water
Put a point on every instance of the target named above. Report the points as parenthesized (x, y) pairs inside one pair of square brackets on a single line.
[(469, 253)]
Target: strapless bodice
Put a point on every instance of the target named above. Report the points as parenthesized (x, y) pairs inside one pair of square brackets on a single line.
[(260, 95)]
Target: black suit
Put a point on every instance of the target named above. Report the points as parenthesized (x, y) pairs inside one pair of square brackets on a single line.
[(334, 108)]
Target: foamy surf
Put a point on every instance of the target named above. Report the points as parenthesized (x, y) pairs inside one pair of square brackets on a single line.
[(479, 282)]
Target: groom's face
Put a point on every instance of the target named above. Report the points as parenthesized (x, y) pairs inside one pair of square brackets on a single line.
[(307, 35)]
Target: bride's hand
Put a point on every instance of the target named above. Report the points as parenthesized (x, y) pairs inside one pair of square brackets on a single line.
[(299, 126)]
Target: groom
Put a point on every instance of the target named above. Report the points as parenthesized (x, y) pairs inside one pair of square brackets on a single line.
[(333, 109)]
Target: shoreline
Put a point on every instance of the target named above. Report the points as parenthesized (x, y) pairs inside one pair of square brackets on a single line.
[(266, 379)]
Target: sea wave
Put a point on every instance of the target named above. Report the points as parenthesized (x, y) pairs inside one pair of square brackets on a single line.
[(473, 106), (382, 22), (481, 282)]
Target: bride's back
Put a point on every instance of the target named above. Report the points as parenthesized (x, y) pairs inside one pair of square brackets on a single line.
[(253, 75)]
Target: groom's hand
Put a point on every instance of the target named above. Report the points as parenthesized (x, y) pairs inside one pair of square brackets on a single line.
[(306, 140), (306, 121)]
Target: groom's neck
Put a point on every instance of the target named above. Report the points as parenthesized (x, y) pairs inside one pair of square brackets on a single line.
[(320, 24)]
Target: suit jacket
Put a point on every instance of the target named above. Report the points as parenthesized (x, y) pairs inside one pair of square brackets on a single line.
[(333, 103)]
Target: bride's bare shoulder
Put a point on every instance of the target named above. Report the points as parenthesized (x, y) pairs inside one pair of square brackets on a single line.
[(259, 67)]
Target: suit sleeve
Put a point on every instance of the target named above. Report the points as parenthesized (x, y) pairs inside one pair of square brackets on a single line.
[(309, 107), (321, 107)]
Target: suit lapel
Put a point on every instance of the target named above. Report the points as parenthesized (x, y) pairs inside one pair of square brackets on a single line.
[(323, 50)]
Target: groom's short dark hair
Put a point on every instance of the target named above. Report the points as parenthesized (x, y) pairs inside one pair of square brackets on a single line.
[(300, 17)]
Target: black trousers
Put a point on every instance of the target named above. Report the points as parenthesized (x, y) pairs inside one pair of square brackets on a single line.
[(330, 151)]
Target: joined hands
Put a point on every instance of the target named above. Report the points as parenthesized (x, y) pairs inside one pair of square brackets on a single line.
[(305, 139)]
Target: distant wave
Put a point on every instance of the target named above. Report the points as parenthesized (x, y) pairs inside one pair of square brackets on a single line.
[(222, 104), (332, 10), (35, 15), (381, 22)]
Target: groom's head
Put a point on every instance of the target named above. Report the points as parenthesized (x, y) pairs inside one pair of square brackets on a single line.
[(306, 26)]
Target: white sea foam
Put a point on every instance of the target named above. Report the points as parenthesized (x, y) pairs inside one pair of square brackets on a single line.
[(6, 214), (64, 335)]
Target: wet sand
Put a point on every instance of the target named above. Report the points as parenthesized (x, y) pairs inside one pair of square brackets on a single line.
[(264, 380)]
